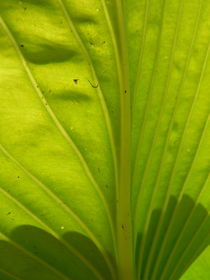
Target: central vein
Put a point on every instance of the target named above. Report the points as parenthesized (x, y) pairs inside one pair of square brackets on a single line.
[(124, 235)]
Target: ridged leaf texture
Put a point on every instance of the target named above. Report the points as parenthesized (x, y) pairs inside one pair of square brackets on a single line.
[(104, 139)]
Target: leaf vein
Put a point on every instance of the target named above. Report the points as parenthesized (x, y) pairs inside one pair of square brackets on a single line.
[(33, 256), (163, 100), (10, 274), (53, 232), (154, 242), (55, 198), (184, 131)]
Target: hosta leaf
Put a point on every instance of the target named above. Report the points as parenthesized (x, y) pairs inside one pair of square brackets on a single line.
[(104, 139), (200, 268)]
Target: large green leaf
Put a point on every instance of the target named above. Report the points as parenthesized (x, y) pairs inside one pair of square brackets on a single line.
[(104, 139), (200, 268)]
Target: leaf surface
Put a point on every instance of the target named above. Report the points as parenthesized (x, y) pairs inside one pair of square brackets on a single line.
[(104, 139)]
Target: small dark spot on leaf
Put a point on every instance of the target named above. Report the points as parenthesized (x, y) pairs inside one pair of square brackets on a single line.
[(123, 227), (125, 91), (8, 213), (75, 81), (94, 86), (22, 46), (18, 177), (103, 42)]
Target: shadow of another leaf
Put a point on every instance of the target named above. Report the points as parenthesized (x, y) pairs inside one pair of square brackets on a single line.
[(182, 237), (48, 257), (71, 96)]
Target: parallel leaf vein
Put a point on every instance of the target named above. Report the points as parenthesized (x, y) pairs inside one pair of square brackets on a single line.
[(183, 133), (10, 274), (55, 198), (154, 242), (35, 257), (53, 232)]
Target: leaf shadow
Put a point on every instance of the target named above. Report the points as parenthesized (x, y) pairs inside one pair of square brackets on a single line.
[(40, 255), (186, 225), (69, 95), (36, 254)]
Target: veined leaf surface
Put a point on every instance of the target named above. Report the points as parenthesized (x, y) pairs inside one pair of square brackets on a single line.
[(104, 139)]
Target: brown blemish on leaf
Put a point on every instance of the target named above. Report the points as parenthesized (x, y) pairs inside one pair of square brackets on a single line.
[(75, 81)]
